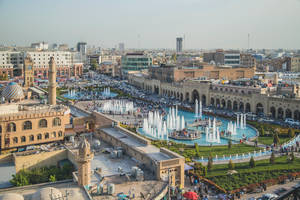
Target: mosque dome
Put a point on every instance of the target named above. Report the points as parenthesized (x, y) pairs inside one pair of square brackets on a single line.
[(13, 92), (47, 193), (11, 196)]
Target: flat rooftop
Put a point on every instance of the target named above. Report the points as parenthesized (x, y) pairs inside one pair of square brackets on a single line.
[(21, 110), (149, 150), (7, 170)]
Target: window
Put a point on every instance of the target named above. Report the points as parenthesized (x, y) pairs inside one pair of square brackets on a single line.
[(27, 125), (31, 138), (11, 127), (0, 129), (60, 134), (56, 121), (39, 136), (43, 123), (46, 135), (15, 140), (53, 134), (23, 139)]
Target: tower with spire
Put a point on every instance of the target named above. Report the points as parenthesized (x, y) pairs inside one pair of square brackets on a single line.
[(28, 72), (84, 163), (52, 82)]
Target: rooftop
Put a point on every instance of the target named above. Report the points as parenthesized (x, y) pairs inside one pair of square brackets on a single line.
[(150, 150)]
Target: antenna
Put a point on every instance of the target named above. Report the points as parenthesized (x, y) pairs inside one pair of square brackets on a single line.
[(248, 41), (183, 41), (139, 41)]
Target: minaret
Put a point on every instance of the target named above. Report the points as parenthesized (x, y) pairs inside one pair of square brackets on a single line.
[(28, 72), (84, 163), (52, 82)]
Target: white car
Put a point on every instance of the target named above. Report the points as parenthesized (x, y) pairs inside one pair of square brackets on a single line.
[(268, 197)]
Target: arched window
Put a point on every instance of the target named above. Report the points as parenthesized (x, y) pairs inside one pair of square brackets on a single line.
[(31, 138), (43, 123), (39, 136), (27, 125), (11, 127), (15, 140), (23, 139), (60, 134), (56, 121), (46, 135), (53, 134)]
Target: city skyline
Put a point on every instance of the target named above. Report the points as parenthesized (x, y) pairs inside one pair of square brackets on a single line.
[(205, 24)]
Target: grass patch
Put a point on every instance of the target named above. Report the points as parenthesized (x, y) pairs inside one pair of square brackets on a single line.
[(189, 152), (268, 140), (246, 175)]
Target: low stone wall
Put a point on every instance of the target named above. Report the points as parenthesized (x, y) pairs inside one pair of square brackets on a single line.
[(42, 159), (6, 158)]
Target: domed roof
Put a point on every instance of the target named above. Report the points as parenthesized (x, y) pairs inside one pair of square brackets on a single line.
[(47, 193), (11, 196), (13, 91)]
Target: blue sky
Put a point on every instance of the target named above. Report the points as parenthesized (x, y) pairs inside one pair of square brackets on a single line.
[(205, 23)]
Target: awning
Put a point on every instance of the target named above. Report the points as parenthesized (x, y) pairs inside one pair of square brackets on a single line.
[(187, 167)]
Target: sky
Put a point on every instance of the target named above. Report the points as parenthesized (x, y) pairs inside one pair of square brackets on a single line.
[(205, 24)]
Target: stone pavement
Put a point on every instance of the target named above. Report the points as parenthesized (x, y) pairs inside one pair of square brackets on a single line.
[(272, 189)]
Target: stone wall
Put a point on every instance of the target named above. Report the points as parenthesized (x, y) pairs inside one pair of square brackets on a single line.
[(23, 161), (6, 158)]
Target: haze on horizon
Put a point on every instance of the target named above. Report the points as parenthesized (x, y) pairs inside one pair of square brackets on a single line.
[(156, 23)]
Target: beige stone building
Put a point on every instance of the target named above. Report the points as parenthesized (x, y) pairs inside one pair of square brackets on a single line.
[(268, 101), (179, 73), (27, 122)]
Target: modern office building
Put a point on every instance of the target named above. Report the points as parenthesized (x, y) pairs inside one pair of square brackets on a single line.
[(40, 46), (121, 47), (179, 41), (294, 64), (82, 48), (135, 62)]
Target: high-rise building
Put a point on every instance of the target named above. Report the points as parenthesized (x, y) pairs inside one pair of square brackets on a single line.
[(82, 47), (40, 45), (121, 47), (135, 62), (179, 44)]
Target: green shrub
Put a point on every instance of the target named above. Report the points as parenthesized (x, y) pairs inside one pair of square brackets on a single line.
[(230, 165), (252, 162), (272, 158)]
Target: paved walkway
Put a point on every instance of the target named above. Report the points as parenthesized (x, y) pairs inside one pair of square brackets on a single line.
[(272, 189)]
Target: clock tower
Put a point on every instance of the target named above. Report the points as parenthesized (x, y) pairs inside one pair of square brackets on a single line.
[(28, 72)]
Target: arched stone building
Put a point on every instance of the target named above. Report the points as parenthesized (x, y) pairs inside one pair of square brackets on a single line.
[(231, 97)]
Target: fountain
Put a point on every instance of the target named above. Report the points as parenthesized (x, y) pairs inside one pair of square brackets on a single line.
[(71, 93), (106, 92), (158, 127), (198, 109), (117, 107), (212, 132)]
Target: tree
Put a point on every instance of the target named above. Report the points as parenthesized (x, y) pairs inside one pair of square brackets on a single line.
[(197, 150), (20, 179), (276, 138), (292, 157), (272, 158), (210, 163), (252, 162), (262, 131), (229, 144), (230, 165), (94, 65), (200, 169), (52, 178), (291, 133)]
